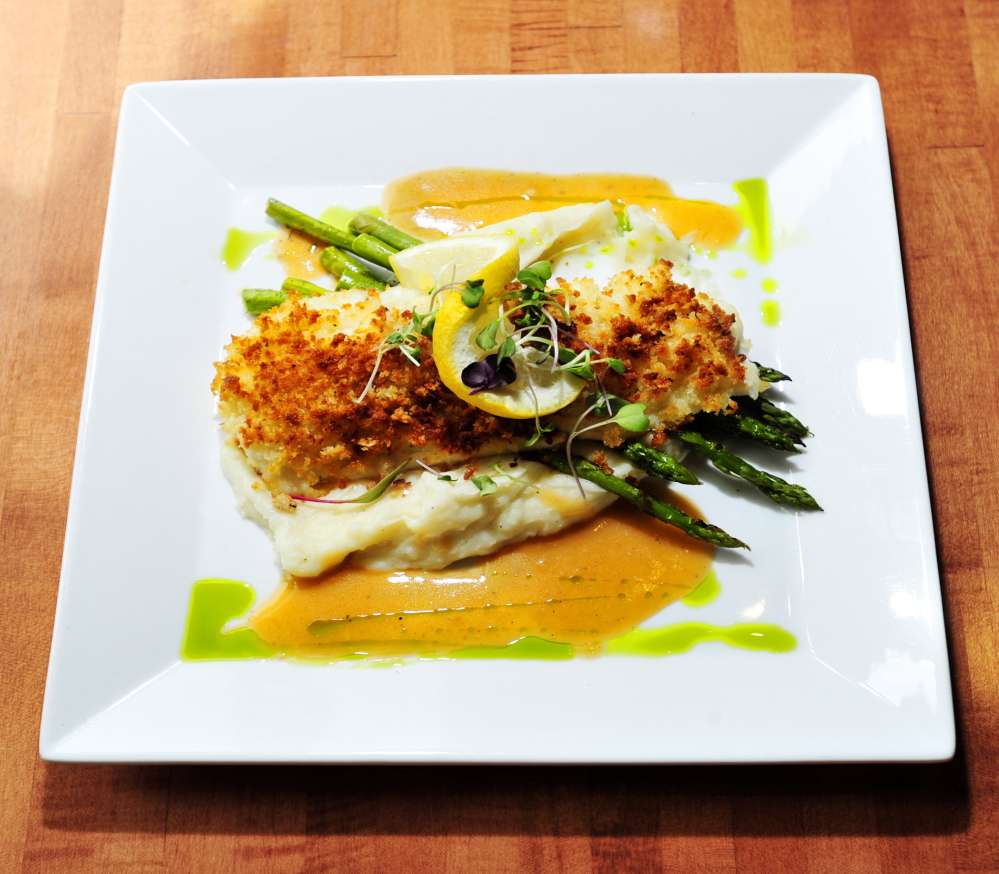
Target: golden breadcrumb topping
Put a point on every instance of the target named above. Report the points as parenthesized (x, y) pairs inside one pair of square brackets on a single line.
[(288, 387), (679, 348), (288, 392)]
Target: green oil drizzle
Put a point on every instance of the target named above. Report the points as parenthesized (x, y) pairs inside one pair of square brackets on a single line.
[(525, 648), (339, 216), (705, 593), (738, 273), (769, 285), (683, 636), (754, 209), (770, 310), (213, 604), (240, 245)]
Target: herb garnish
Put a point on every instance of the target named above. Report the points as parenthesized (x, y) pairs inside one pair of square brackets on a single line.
[(372, 494), (490, 373), (487, 484), (471, 293), (631, 417)]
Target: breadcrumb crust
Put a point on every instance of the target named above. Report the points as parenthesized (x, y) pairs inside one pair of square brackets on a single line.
[(288, 387)]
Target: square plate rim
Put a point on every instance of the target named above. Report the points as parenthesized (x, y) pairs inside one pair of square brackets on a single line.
[(50, 751)]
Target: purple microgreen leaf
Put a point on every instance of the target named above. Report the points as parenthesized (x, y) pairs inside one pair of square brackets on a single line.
[(488, 374)]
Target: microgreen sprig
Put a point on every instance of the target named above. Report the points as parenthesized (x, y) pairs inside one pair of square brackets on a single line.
[(471, 293), (487, 484), (372, 494), (443, 477), (631, 417), (582, 364), (407, 341)]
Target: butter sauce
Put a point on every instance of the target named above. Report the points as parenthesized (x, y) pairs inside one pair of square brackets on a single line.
[(581, 587), (436, 203), (299, 255), (546, 599), (216, 602)]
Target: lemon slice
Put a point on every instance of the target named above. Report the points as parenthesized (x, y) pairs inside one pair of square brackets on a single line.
[(538, 390), (492, 258)]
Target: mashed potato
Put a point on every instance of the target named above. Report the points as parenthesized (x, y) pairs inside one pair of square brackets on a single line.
[(423, 522)]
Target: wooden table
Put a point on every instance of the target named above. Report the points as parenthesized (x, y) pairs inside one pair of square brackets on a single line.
[(63, 66)]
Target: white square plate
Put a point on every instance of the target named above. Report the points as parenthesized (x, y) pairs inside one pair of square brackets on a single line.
[(151, 512)]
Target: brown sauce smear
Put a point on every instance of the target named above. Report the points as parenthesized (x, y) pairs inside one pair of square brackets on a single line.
[(583, 586), (436, 203)]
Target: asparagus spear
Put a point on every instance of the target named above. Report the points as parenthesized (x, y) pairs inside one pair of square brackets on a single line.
[(750, 428), (349, 269), (292, 218), (373, 250), (646, 503), (303, 287), (774, 415), (658, 463), (771, 375), (772, 486), (363, 223), (260, 300)]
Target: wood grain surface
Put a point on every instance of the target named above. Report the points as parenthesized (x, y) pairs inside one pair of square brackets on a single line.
[(63, 66)]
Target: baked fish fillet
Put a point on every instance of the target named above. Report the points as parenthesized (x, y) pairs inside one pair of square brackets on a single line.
[(288, 387)]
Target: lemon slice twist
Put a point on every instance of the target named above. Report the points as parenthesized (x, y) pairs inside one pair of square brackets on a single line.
[(538, 389)]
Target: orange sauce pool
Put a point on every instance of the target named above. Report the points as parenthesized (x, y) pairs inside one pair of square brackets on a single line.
[(435, 203), (582, 586), (299, 255)]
